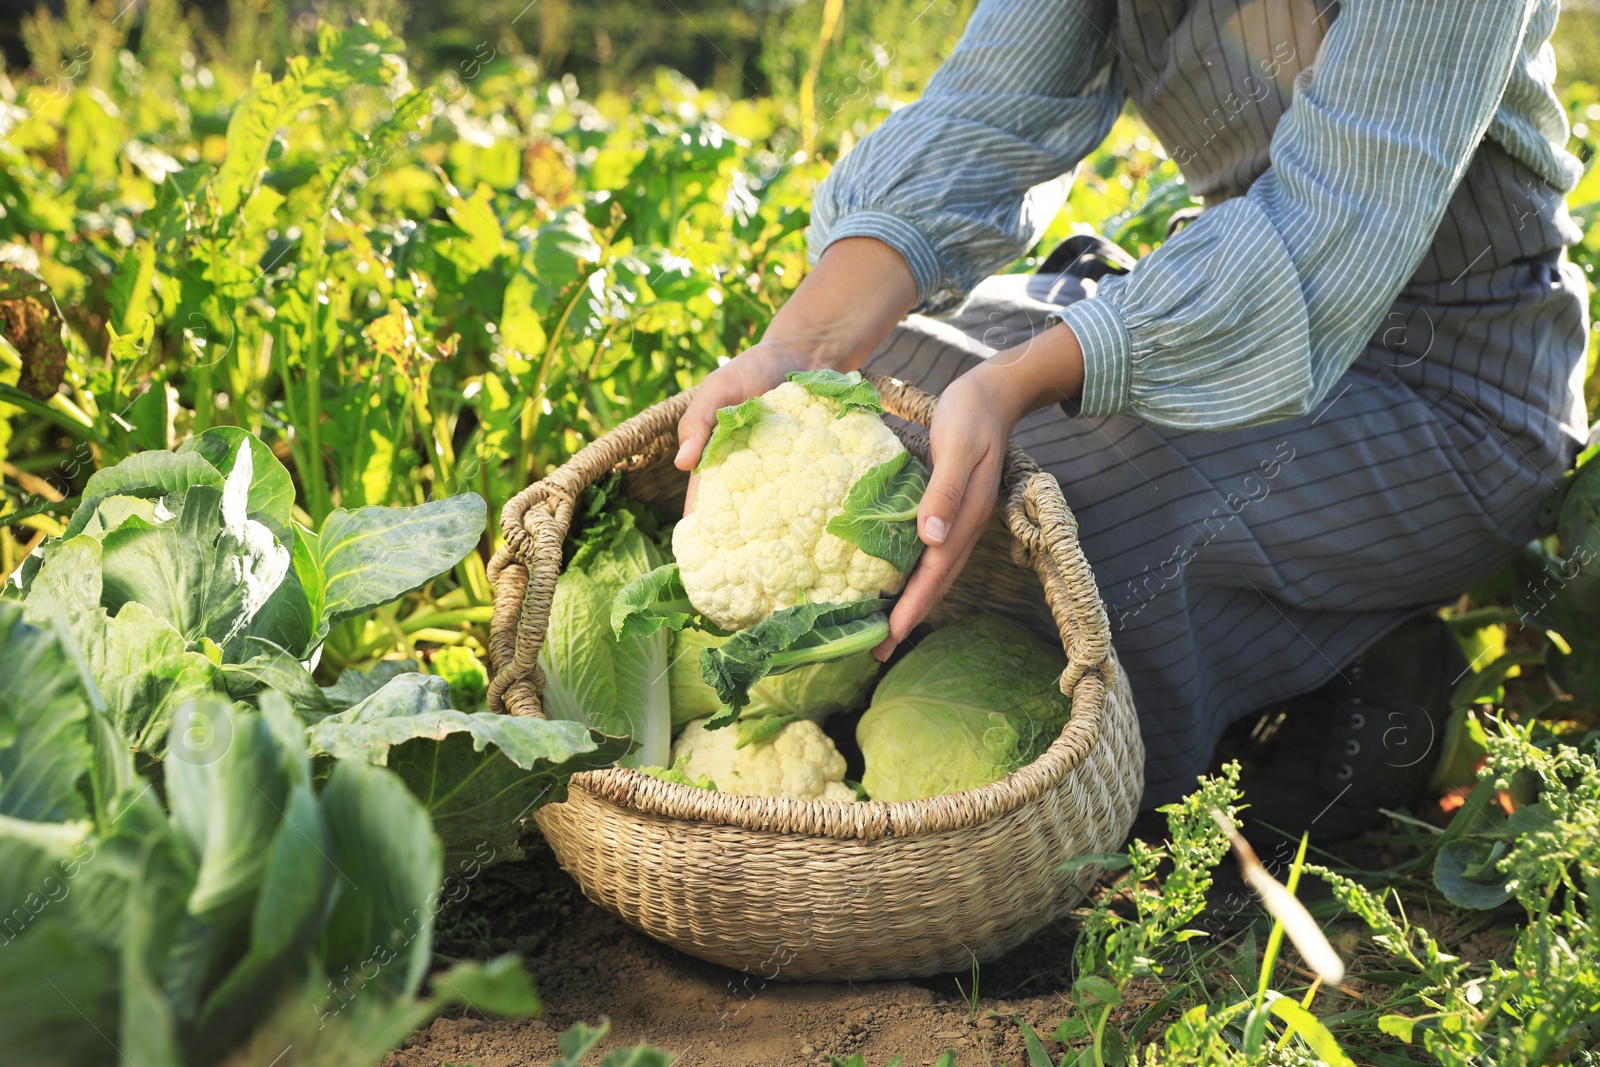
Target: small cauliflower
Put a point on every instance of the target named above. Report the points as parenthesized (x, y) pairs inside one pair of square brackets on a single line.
[(800, 762), (775, 479)]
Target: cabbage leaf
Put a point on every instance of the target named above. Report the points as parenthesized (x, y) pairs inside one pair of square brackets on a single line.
[(970, 703)]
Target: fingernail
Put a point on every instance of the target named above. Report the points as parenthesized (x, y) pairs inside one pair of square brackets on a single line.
[(884, 650), (683, 453), (933, 529)]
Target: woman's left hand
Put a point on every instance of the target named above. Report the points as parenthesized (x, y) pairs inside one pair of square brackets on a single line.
[(971, 428)]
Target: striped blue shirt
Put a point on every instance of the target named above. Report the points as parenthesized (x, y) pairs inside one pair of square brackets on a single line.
[(1313, 225)]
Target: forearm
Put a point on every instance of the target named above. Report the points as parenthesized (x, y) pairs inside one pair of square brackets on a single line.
[(858, 291)]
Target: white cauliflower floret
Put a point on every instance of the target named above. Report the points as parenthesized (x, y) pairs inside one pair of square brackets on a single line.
[(755, 542), (801, 762)]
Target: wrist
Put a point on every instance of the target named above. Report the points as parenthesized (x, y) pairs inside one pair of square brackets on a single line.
[(1045, 370)]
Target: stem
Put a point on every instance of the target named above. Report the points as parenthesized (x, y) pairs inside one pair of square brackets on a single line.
[(318, 499), (1269, 960), (1100, 1036), (532, 410), (10, 394), (839, 648)]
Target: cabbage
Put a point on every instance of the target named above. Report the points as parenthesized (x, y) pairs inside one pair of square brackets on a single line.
[(971, 703), (616, 686), (814, 692)]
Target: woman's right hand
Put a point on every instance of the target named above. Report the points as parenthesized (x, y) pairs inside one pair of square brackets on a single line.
[(757, 369), (858, 291)]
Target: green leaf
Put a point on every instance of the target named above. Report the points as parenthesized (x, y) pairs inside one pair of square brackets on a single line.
[(476, 774), (147, 475), (577, 1041), (276, 669), (1092, 985), (1400, 1026), (499, 987), (729, 420), (1037, 1056), (1464, 871), (46, 696), (130, 288), (288, 618), (786, 640), (760, 729), (1072, 1028), (271, 492), (207, 572), (406, 704), (285, 923), (366, 558), (228, 797), (880, 512), (355, 685), (655, 599), (1310, 1028), (145, 671), (61, 995), (851, 390), (150, 927), (66, 585), (388, 863)]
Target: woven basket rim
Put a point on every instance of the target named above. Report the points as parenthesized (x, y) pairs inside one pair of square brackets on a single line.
[(1043, 533)]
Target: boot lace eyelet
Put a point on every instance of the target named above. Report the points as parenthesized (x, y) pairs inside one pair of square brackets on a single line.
[(1352, 747), (1346, 772), (1357, 720)]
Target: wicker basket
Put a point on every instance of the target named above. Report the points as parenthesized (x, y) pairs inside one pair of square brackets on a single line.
[(820, 889)]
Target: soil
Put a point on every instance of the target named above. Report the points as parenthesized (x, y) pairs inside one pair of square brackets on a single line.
[(589, 964)]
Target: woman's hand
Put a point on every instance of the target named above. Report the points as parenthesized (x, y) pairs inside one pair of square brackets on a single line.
[(755, 370), (860, 288), (971, 428)]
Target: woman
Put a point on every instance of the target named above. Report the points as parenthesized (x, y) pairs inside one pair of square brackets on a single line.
[(1331, 401)]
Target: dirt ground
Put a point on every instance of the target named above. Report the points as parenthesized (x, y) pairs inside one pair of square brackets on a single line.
[(588, 964)]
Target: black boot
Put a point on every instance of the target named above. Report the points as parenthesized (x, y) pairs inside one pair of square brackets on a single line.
[(1368, 739)]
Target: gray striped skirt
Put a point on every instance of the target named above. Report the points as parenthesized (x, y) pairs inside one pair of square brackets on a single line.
[(1242, 567)]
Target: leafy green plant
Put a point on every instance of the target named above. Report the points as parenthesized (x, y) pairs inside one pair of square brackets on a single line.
[(240, 909), (580, 1039), (1545, 1007)]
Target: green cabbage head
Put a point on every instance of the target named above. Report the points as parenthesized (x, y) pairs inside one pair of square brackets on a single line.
[(813, 692), (971, 703)]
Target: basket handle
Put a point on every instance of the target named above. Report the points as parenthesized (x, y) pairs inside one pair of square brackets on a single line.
[(535, 522)]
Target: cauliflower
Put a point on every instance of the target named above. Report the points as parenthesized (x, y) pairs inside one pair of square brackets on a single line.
[(757, 540), (800, 762), (806, 523)]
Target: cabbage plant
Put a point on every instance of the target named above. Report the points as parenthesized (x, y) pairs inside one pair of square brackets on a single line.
[(183, 577), (244, 908)]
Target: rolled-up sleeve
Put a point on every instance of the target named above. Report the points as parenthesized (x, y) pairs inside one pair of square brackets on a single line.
[(1254, 310), (966, 178)]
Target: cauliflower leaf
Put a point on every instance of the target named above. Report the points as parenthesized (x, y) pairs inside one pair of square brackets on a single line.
[(729, 419), (851, 390), (880, 513), (788, 640)]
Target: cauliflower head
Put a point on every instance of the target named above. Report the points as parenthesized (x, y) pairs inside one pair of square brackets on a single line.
[(757, 541), (800, 762)]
